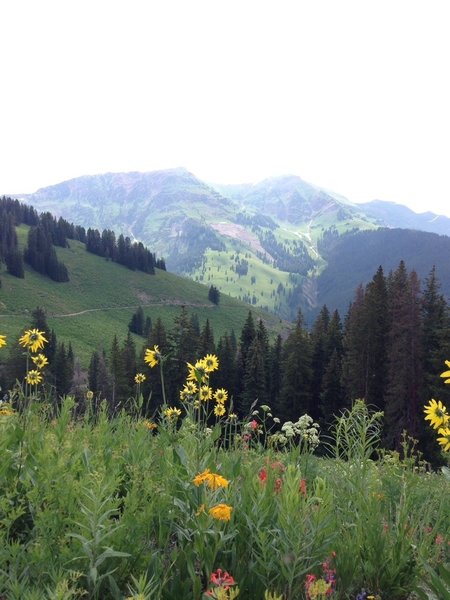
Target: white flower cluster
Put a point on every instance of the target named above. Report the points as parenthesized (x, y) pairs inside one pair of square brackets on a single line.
[(305, 428)]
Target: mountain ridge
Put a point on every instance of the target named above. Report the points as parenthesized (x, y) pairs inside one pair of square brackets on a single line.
[(260, 242)]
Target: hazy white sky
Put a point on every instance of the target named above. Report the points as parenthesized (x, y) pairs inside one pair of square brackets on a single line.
[(352, 95)]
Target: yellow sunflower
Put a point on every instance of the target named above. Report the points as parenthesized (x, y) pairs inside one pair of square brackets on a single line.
[(140, 378), (211, 363), (172, 414), (33, 377), (40, 360), (219, 410), (445, 439), (436, 413), (33, 339), (152, 357), (446, 373), (2, 340), (197, 372), (221, 396), (205, 393)]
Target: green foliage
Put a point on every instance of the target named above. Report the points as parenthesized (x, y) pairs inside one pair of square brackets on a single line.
[(101, 296)]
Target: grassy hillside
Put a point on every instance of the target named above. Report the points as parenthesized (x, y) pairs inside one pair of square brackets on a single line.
[(101, 297)]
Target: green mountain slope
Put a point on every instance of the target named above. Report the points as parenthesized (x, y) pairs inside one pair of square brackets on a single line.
[(101, 297), (256, 243), (266, 244)]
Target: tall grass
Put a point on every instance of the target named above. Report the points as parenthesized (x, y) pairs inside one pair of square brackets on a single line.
[(106, 508)]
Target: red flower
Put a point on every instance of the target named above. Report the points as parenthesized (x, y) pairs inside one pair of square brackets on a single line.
[(253, 425), (222, 579), (302, 488), (262, 475), (277, 485)]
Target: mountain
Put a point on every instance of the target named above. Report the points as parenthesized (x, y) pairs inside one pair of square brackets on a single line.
[(267, 244), (101, 297), (390, 214)]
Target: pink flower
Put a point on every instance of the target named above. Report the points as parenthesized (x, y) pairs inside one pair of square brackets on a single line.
[(253, 425)]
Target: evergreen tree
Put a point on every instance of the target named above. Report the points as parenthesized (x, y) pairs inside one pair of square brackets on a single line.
[(247, 337), (296, 396), (136, 325), (214, 295), (63, 372), (120, 388), (14, 263), (376, 331), (320, 356), (332, 398), (129, 363), (436, 347), (206, 341), (147, 327), (354, 345), (225, 377), (405, 380), (182, 350), (275, 380)]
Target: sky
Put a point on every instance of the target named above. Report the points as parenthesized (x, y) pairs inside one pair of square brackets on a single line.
[(351, 95)]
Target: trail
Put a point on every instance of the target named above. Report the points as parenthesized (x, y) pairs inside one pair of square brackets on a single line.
[(133, 306)]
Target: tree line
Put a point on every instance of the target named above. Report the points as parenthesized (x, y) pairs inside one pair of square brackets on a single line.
[(46, 232), (388, 350)]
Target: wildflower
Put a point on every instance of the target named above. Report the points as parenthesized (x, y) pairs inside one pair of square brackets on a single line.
[(302, 487), (33, 377), (444, 441), (190, 388), (2, 340), (33, 339), (211, 363), (232, 416), (222, 579), (253, 425), (262, 475), (219, 410), (221, 512), (316, 588), (436, 413), (149, 424), (446, 373), (197, 372), (40, 360), (201, 477), (152, 357), (6, 412), (89, 395), (221, 396), (172, 414), (139, 378), (205, 393)]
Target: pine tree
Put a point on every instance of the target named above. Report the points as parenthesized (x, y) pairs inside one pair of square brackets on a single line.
[(355, 348), (436, 347), (405, 380), (376, 330), (275, 354), (120, 388), (136, 325), (206, 341), (296, 395)]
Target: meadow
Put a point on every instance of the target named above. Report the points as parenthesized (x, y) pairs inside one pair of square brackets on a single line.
[(194, 503)]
